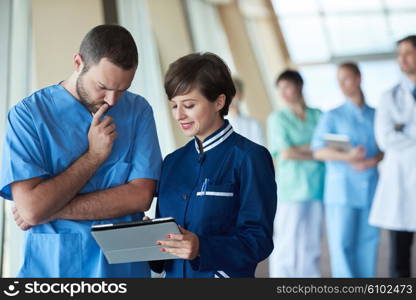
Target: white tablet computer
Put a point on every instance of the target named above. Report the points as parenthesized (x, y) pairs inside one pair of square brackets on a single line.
[(339, 142), (134, 241)]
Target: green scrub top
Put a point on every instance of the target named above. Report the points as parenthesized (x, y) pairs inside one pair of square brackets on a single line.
[(297, 180)]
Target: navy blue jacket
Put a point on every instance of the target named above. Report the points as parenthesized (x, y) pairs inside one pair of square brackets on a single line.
[(226, 194)]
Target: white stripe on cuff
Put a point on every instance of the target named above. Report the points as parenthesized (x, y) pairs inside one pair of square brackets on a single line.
[(223, 274)]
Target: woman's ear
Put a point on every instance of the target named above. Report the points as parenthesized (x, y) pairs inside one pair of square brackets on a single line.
[(220, 102)]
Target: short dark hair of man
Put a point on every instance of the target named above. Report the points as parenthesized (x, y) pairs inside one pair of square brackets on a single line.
[(206, 72), (292, 76), (112, 42), (410, 38)]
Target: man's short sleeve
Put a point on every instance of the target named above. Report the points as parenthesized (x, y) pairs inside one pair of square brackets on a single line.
[(146, 159), (22, 157)]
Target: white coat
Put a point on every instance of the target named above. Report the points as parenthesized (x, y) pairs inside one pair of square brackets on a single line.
[(394, 205)]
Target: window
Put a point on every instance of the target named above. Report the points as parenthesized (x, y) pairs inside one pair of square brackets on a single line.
[(321, 33), (15, 55), (207, 32), (5, 8)]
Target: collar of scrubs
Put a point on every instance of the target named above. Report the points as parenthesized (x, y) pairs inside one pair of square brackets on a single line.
[(291, 114), (67, 103), (216, 138), (355, 108)]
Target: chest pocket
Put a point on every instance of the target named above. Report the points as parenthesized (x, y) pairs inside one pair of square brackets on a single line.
[(108, 176), (218, 206)]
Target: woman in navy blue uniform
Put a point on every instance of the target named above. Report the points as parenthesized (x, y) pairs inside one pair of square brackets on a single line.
[(220, 187)]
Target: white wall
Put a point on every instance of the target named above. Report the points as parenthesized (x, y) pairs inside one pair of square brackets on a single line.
[(18, 86)]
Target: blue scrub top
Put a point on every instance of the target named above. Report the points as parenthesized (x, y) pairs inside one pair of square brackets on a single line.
[(227, 196), (343, 184), (46, 132)]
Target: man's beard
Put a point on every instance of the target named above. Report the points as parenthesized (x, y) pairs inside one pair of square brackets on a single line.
[(83, 96)]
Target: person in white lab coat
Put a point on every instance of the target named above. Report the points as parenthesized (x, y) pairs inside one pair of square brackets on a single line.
[(244, 125), (394, 205)]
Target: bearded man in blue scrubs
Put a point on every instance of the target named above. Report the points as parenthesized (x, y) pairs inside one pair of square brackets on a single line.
[(78, 153)]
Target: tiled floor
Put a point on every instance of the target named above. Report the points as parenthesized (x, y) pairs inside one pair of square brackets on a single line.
[(382, 267)]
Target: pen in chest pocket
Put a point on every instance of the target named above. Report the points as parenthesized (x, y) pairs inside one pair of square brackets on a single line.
[(204, 186)]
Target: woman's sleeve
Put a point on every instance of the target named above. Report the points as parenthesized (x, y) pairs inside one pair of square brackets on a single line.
[(325, 125)]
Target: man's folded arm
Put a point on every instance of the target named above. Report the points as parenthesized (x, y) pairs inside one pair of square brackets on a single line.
[(37, 200), (132, 197)]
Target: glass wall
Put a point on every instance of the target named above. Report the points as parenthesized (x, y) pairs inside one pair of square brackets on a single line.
[(15, 84), (321, 33)]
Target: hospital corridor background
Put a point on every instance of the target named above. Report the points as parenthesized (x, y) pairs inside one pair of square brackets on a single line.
[(259, 40)]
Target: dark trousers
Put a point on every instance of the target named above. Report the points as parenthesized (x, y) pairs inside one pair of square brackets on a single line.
[(400, 260)]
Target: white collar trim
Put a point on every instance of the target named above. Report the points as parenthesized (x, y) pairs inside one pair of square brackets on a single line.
[(215, 140)]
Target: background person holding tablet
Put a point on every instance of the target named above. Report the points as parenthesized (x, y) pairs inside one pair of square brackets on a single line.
[(220, 187), (351, 179)]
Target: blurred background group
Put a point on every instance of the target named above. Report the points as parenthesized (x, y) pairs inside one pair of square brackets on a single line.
[(302, 68)]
